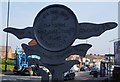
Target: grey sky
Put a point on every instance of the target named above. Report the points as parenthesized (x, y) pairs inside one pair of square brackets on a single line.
[(22, 14)]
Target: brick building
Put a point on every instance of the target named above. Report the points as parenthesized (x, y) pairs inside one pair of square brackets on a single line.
[(3, 52)]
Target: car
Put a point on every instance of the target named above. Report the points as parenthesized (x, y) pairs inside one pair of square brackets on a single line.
[(69, 75), (94, 71), (83, 68), (76, 69)]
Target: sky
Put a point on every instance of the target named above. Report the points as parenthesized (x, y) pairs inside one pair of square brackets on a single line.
[(22, 15)]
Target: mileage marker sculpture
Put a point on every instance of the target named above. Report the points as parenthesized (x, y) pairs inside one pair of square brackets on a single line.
[(55, 28)]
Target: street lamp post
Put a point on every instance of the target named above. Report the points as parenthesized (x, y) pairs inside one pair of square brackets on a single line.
[(7, 37)]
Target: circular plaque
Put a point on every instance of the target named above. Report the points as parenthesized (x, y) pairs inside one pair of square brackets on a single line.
[(55, 27)]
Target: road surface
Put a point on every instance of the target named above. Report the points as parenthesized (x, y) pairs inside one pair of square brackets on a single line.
[(10, 77)]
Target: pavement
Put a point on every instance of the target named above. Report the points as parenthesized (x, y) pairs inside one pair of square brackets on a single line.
[(10, 77), (80, 77), (6, 73)]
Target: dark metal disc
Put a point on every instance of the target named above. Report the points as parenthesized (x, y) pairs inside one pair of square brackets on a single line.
[(55, 27)]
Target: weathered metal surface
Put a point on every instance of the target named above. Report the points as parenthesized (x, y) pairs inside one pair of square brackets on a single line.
[(55, 58), (21, 33), (55, 27), (87, 30)]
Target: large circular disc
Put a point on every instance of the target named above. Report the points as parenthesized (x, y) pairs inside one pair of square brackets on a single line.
[(55, 27)]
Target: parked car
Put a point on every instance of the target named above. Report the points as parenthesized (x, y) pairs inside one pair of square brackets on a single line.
[(69, 75), (75, 68), (83, 68), (94, 71)]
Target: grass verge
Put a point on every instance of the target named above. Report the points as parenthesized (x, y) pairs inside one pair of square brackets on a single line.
[(10, 65)]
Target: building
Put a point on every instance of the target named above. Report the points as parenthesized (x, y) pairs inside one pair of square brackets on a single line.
[(3, 52), (95, 58)]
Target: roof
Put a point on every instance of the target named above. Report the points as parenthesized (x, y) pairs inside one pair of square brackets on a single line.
[(109, 55), (3, 48), (91, 57), (32, 42)]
